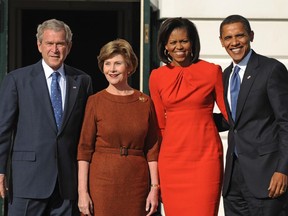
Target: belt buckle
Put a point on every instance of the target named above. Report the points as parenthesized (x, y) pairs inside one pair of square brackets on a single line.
[(123, 151)]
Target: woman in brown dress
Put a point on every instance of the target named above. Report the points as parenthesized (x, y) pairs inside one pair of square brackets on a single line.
[(118, 148)]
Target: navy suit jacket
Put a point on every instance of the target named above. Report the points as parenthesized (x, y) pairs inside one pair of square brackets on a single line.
[(39, 153), (260, 130)]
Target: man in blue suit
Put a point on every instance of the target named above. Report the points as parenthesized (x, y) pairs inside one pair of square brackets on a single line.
[(256, 170), (42, 156)]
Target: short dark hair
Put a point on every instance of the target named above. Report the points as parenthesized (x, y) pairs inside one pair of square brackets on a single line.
[(235, 19), (165, 30)]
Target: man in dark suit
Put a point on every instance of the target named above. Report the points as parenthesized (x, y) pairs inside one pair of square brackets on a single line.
[(42, 156), (255, 179)]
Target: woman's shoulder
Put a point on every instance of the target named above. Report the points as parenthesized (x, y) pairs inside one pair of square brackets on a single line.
[(208, 68), (160, 69), (97, 95), (142, 96), (207, 64), (157, 74)]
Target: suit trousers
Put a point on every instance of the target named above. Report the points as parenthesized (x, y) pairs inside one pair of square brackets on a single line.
[(240, 202), (53, 205)]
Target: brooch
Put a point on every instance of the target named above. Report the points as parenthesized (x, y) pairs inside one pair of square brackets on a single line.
[(142, 99)]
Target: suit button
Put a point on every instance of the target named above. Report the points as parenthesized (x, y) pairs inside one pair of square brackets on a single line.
[(235, 131)]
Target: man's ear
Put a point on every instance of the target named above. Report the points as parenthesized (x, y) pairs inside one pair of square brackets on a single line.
[(251, 35), (221, 41), (69, 47)]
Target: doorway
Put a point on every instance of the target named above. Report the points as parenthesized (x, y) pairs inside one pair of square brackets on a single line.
[(92, 23)]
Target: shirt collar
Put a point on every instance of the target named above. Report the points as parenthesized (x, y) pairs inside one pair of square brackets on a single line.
[(48, 70), (244, 62)]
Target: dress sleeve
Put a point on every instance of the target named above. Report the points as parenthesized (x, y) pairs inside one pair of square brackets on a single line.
[(152, 142), (86, 146), (219, 93), (156, 97)]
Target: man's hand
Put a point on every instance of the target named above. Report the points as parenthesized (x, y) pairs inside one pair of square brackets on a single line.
[(278, 185)]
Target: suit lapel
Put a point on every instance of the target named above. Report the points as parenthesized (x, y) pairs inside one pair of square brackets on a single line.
[(72, 89), (40, 89), (227, 73), (247, 82)]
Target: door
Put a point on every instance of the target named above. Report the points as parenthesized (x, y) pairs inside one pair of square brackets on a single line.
[(93, 24), (148, 53), (3, 38)]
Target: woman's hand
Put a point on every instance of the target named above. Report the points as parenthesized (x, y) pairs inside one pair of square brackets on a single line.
[(152, 200), (85, 204)]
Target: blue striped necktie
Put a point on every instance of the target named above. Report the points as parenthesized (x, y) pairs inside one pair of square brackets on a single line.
[(56, 98)]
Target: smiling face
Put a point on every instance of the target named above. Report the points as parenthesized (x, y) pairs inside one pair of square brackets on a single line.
[(116, 71), (236, 40), (179, 47), (54, 48)]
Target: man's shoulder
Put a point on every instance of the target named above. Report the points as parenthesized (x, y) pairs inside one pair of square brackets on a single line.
[(75, 72), (264, 59), (22, 71)]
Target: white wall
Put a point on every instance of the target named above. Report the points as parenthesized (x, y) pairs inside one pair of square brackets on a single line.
[(268, 20), (269, 9), (270, 39)]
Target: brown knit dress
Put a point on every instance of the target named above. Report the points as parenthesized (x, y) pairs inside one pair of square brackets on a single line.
[(118, 138)]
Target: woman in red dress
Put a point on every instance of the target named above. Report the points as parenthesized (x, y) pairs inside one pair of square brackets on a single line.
[(184, 92)]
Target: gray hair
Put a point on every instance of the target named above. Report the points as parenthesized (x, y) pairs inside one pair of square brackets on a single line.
[(56, 25)]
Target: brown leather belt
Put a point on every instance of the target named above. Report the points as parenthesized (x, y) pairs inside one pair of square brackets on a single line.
[(123, 151)]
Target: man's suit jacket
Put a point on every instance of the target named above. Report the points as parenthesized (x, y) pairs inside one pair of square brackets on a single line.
[(40, 154), (260, 130)]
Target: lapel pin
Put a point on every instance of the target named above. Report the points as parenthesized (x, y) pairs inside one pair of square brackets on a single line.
[(74, 87), (248, 77)]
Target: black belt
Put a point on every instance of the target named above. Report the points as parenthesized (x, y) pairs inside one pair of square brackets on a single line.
[(123, 151)]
